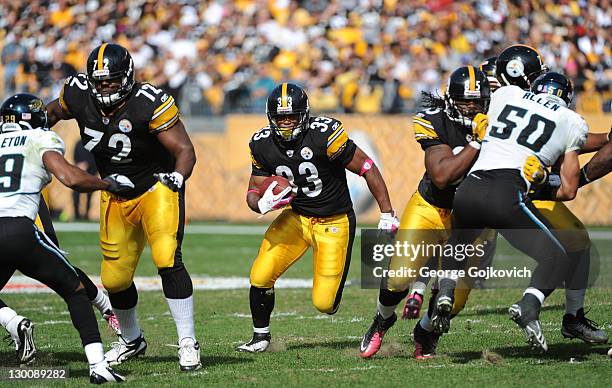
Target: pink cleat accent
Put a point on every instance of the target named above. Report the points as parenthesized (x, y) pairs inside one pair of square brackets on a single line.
[(111, 320), (412, 308)]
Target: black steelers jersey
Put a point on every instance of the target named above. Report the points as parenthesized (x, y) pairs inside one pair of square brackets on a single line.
[(126, 142), (315, 165), (433, 127)]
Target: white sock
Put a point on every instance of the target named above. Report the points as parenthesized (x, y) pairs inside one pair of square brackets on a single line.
[(261, 330), (6, 315), (426, 323), (128, 323), (419, 287), (385, 311), (182, 312), (9, 319), (102, 302), (94, 353), (574, 301), (535, 292)]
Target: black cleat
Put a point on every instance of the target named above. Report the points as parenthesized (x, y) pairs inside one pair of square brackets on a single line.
[(525, 313), (105, 374), (258, 344), (372, 339), (441, 314), (425, 342), (579, 326), (26, 350)]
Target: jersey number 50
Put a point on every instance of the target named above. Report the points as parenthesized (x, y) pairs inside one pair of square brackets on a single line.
[(536, 123)]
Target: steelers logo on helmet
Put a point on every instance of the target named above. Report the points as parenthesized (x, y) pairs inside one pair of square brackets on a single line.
[(467, 94), (519, 65), (288, 112), (515, 68), (110, 74)]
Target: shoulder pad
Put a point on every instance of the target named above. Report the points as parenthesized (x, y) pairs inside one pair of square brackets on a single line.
[(426, 122), (263, 133), (73, 91), (164, 111)]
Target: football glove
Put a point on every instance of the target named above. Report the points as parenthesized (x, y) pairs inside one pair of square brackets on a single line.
[(118, 184), (172, 180), (388, 222), (534, 171), (479, 127), (270, 201)]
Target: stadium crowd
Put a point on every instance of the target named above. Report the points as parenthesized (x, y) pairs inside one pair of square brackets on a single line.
[(363, 56)]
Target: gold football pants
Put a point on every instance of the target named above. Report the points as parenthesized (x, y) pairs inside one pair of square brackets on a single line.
[(286, 240), (157, 215), (575, 237), (424, 223)]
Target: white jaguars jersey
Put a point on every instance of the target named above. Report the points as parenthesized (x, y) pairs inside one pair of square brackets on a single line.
[(522, 124), (22, 172)]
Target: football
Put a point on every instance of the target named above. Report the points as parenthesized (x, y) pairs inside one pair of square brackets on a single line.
[(282, 184)]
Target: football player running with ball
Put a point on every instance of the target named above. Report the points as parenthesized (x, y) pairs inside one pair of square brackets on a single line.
[(313, 154), (134, 129)]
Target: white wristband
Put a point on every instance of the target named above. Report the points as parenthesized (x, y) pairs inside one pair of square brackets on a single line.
[(475, 144)]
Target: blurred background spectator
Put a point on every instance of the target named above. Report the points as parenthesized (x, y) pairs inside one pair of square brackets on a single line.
[(365, 56)]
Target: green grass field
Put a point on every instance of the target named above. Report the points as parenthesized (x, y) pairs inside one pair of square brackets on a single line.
[(312, 349)]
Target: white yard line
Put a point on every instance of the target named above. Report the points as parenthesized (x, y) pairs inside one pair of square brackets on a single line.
[(249, 230), (22, 284)]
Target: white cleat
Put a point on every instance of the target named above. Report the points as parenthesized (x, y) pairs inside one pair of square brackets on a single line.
[(122, 351), (189, 355), (258, 344), (101, 374)]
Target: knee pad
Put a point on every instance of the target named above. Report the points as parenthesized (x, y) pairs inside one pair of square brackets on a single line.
[(262, 277), (325, 303), (176, 282), (125, 299), (115, 284)]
